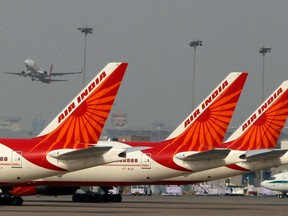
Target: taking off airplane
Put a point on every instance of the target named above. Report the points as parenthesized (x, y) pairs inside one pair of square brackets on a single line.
[(38, 74), (65, 144), (188, 149)]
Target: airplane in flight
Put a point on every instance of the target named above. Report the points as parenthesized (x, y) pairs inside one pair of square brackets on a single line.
[(38, 74), (65, 144), (278, 182), (188, 149), (258, 135)]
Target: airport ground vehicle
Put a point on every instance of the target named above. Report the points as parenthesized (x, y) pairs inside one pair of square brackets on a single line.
[(141, 190)]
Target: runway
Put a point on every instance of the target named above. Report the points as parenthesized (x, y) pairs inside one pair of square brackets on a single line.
[(154, 205)]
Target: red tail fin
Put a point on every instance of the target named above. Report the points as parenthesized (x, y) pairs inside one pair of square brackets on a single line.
[(262, 129), (83, 119), (206, 126)]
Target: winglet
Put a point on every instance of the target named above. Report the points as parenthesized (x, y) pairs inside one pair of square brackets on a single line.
[(263, 127), (51, 69)]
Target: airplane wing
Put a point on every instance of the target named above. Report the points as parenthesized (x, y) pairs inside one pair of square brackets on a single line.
[(265, 154), (57, 80), (205, 155), (22, 73), (50, 80), (81, 153), (71, 159), (14, 73), (62, 74)]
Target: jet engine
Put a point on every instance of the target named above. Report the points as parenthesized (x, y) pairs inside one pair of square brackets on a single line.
[(24, 73)]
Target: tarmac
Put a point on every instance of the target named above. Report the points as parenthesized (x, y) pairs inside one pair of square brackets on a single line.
[(153, 205)]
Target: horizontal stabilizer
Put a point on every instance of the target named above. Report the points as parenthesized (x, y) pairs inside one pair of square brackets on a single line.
[(205, 155), (265, 155), (81, 153)]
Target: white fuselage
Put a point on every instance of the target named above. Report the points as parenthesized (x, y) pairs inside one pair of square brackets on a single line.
[(14, 168), (141, 169), (36, 72), (278, 182), (227, 171), (137, 167)]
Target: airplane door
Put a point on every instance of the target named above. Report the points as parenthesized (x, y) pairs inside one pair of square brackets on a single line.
[(146, 161), (16, 159)]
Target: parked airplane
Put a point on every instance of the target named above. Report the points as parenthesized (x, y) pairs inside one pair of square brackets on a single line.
[(188, 149), (260, 131), (278, 182), (65, 144), (258, 135), (38, 74)]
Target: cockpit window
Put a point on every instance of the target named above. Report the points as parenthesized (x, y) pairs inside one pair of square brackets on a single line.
[(272, 178)]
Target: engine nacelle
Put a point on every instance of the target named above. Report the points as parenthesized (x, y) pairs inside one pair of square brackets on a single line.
[(45, 73), (24, 73)]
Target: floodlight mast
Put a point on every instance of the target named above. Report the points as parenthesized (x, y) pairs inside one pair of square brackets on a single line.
[(194, 44), (86, 30), (263, 52)]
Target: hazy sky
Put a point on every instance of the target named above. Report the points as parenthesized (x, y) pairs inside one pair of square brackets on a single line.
[(153, 37)]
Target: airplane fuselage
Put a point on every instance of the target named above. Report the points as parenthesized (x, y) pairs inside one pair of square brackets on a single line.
[(226, 171), (278, 182), (137, 167), (18, 164), (36, 72)]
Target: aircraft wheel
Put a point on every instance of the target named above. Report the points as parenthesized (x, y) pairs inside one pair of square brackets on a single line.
[(97, 198), (77, 198), (106, 198), (16, 201), (86, 198), (116, 198)]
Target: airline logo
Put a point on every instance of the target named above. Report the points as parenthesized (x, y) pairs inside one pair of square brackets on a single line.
[(208, 129), (205, 104), (81, 97), (262, 109), (262, 129)]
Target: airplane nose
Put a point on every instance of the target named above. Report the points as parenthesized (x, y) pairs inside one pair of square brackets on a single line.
[(28, 63), (263, 183)]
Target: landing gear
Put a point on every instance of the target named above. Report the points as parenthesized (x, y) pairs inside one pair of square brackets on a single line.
[(97, 197), (10, 200), (283, 195), (7, 199)]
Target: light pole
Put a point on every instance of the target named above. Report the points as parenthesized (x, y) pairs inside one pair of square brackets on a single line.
[(263, 51), (86, 30), (194, 44)]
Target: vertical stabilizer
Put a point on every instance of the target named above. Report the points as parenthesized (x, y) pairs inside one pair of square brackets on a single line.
[(262, 129), (83, 119), (206, 126)]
